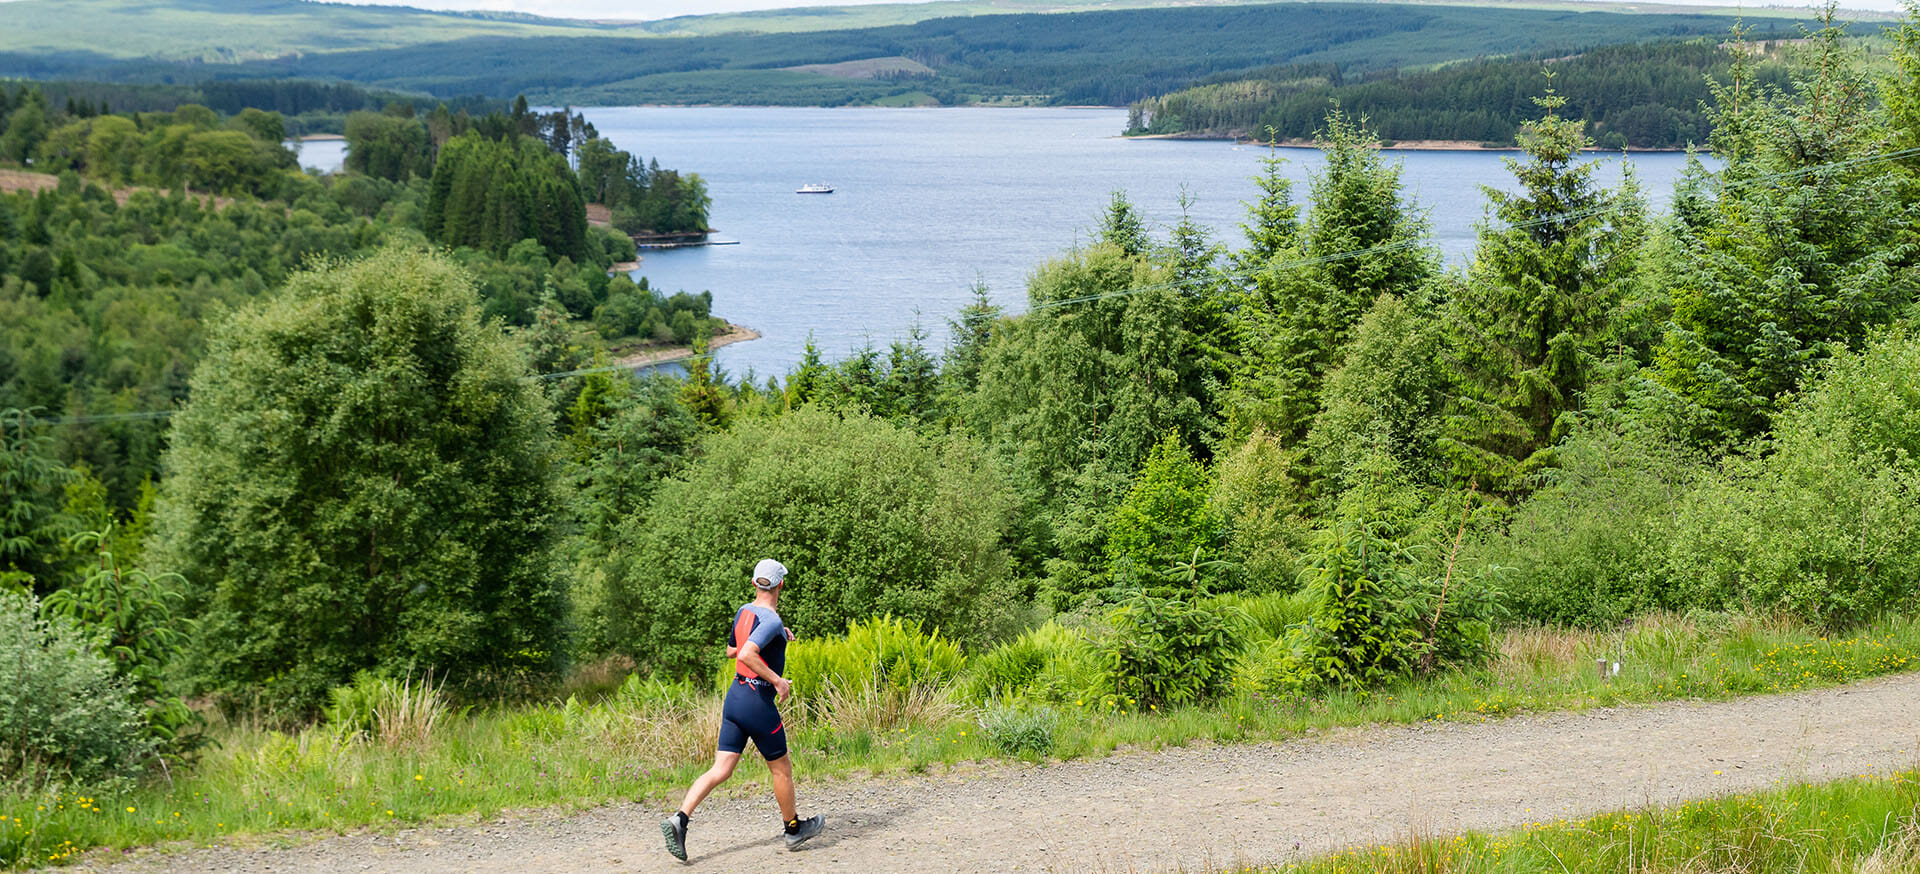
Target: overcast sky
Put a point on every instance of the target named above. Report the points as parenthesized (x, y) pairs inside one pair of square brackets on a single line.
[(645, 10)]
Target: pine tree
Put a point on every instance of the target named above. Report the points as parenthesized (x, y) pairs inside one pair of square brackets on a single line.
[(704, 399), (1803, 250), (1123, 228), (1360, 240), (807, 382), (1533, 320), (911, 389), (971, 332), (1273, 221)]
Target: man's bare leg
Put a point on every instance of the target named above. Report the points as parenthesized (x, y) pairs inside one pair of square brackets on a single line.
[(782, 769), (703, 785)]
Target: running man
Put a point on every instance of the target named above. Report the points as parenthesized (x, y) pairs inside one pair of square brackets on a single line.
[(758, 644)]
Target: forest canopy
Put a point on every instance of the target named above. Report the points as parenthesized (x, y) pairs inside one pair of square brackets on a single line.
[(1646, 96)]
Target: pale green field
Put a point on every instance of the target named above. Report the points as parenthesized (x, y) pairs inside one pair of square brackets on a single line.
[(230, 30)]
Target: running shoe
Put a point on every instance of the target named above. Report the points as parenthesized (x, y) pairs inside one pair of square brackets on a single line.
[(675, 829), (808, 828)]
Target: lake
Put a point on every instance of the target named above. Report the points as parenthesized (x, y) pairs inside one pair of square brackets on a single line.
[(930, 201)]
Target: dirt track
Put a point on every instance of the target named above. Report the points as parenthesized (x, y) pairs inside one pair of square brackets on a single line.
[(1190, 807)]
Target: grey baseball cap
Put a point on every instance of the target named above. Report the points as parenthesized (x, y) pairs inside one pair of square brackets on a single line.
[(769, 574)]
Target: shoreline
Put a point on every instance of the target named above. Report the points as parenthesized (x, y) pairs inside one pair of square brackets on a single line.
[(735, 334), (1402, 145)]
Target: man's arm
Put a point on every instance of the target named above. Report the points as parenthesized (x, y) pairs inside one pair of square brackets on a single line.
[(750, 657)]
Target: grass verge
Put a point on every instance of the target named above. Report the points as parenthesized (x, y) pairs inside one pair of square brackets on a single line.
[(1864, 825), (576, 755)]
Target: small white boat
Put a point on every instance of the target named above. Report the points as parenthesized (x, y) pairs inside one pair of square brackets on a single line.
[(815, 188)]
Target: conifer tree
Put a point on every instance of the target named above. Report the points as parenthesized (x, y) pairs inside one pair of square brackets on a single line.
[(808, 380), (32, 524), (1123, 228), (1531, 323), (1802, 251), (699, 394), (971, 332), (1273, 220), (1360, 240), (911, 389)]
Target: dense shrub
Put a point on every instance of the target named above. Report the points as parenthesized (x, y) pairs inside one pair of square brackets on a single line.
[(136, 616), (1386, 397), (1822, 520), (870, 519), (1587, 549), (64, 716), (1168, 651), (363, 480)]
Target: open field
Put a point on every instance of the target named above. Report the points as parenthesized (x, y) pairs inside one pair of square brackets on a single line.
[(239, 30)]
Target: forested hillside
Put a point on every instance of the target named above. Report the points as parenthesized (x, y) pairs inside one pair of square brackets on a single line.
[(1650, 96), (1107, 58), (305, 107), (160, 221), (360, 506)]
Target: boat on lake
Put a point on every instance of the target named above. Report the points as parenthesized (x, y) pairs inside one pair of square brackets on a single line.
[(815, 188)]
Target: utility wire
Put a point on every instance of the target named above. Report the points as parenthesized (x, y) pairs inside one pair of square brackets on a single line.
[(1555, 218)]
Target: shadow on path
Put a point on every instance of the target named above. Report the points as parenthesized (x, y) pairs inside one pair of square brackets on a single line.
[(856, 824)]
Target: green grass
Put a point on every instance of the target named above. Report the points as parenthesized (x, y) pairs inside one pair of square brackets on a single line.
[(1864, 824), (649, 745)]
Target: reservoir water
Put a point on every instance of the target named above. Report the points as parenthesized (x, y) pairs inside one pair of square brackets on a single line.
[(928, 202)]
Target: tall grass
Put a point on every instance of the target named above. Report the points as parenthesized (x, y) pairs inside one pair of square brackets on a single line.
[(393, 712), (648, 739)]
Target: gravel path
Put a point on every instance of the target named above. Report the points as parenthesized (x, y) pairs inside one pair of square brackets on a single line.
[(1195, 807)]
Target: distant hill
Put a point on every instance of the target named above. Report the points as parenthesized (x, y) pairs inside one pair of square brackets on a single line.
[(1645, 96), (1110, 57), (1103, 58), (239, 30), (813, 18)]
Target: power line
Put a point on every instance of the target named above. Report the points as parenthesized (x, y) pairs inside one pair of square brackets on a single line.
[(1555, 218)]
